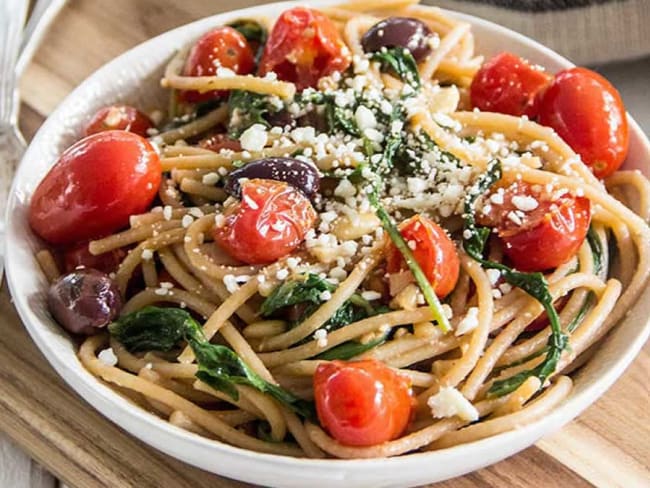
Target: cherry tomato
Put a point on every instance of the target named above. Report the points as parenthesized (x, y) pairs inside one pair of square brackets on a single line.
[(542, 237), (119, 117), (94, 187), (223, 47), (588, 113), (304, 46), (270, 221), (433, 250), (217, 142), (362, 403), (79, 255), (508, 84)]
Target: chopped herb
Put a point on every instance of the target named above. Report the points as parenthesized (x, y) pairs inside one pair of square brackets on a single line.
[(163, 329), (247, 108), (401, 62), (532, 283)]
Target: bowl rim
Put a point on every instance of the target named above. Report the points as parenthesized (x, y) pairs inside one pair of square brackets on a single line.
[(133, 418)]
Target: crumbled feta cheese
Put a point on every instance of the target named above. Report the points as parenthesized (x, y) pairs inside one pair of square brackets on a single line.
[(469, 322), (147, 254), (365, 118), (282, 274), (231, 283), (449, 402), (210, 178), (493, 275), (325, 295), (320, 336), (224, 72), (370, 295), (345, 189), (254, 138), (187, 220), (107, 357), (525, 203), (167, 212), (219, 221)]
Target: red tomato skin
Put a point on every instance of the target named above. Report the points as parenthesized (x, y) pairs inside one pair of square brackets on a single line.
[(270, 221), (304, 46), (588, 113), (434, 251), (224, 46), (79, 255), (362, 403), (94, 187), (119, 117), (548, 235), (508, 84)]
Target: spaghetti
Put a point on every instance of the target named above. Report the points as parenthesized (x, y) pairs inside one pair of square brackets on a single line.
[(390, 143)]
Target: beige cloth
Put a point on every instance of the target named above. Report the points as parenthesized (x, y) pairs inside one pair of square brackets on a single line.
[(593, 34)]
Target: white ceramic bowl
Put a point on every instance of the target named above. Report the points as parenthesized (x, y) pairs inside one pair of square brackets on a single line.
[(134, 77)]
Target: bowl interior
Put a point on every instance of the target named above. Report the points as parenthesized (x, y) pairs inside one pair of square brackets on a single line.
[(134, 78)]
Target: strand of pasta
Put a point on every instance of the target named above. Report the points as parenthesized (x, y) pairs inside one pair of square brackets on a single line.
[(178, 272), (536, 410), (134, 258), (221, 315), (519, 397), (193, 128), (448, 42), (641, 185), (200, 416), (131, 236), (48, 264), (149, 273), (194, 187), (463, 366)]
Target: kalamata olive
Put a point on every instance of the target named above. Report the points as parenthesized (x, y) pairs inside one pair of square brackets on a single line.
[(84, 301), (412, 34), (298, 174)]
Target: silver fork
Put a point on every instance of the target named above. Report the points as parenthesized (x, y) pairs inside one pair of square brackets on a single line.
[(12, 143)]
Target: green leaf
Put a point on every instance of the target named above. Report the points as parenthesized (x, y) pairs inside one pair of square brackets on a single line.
[(350, 349), (247, 108), (401, 62), (475, 238), (306, 288), (254, 33), (163, 329), (152, 329)]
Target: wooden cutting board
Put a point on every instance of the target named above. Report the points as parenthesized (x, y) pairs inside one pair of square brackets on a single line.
[(608, 446)]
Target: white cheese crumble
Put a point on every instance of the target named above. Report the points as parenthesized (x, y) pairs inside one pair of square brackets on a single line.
[(187, 220), (365, 118), (254, 138), (107, 357), (147, 254), (524, 203), (449, 402), (320, 336), (469, 322), (167, 212), (370, 295), (210, 178), (493, 275)]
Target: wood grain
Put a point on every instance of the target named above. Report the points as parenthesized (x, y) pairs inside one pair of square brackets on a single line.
[(607, 446)]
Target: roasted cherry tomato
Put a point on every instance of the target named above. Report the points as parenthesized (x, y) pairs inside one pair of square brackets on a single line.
[(588, 113), (78, 255), (509, 85), (119, 117), (433, 250), (540, 230), (362, 403), (217, 142), (304, 46), (223, 47), (270, 221), (94, 187)]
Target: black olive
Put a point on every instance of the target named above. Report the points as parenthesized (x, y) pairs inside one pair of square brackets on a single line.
[(298, 174), (411, 34), (84, 301)]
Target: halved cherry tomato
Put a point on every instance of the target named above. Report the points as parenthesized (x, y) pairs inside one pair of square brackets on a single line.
[(362, 403), (217, 142), (508, 84), (95, 186), (304, 46), (270, 221), (588, 113), (542, 237), (433, 250), (223, 47), (79, 255), (119, 117)]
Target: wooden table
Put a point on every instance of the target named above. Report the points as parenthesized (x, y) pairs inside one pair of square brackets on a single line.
[(608, 446)]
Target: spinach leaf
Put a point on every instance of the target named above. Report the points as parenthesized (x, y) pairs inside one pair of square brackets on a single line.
[(244, 110), (475, 238), (306, 288), (162, 329), (254, 33), (350, 349), (401, 62)]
